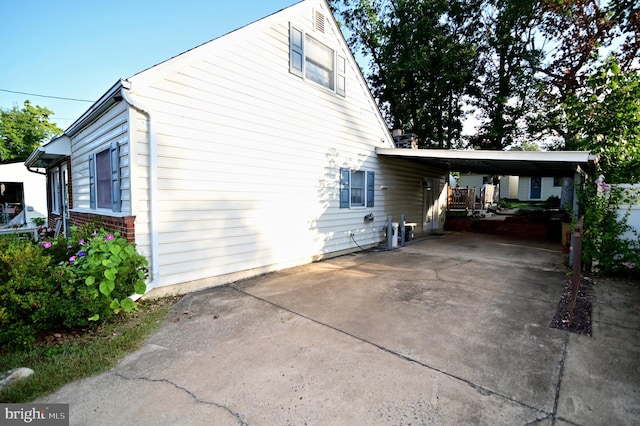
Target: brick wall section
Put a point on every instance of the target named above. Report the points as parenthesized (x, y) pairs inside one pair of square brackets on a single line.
[(520, 229), (124, 225)]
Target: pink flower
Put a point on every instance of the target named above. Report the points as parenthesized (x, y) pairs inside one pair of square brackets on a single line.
[(600, 182), (46, 244), (629, 264), (72, 259), (109, 237), (81, 242)]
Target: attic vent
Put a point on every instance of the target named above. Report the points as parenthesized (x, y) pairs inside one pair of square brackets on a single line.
[(319, 21)]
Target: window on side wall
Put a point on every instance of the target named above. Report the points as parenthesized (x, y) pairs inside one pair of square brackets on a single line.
[(357, 188), (104, 179), (54, 181), (314, 61)]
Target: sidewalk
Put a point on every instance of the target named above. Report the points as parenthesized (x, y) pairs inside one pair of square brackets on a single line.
[(448, 330)]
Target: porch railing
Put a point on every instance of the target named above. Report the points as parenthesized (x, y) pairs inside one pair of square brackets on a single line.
[(461, 198)]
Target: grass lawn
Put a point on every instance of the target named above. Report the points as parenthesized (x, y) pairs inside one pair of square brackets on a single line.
[(63, 356)]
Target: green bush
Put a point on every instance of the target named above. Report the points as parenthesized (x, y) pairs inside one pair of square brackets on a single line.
[(27, 294), (71, 282), (604, 250)]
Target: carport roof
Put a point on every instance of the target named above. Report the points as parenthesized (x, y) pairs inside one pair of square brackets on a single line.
[(501, 163)]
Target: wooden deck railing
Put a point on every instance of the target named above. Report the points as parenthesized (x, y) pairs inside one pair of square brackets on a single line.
[(461, 198)]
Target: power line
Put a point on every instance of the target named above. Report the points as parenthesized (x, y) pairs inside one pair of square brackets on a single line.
[(45, 96)]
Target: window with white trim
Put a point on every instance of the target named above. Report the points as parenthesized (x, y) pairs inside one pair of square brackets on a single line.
[(312, 60), (54, 181), (357, 188), (104, 179)]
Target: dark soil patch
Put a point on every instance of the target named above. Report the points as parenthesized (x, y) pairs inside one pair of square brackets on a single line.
[(82, 335), (581, 323)]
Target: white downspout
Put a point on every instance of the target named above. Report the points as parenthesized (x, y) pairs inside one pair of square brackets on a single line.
[(153, 187)]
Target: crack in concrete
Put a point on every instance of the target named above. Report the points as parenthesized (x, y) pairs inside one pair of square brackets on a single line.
[(195, 397), (565, 350), (480, 389)]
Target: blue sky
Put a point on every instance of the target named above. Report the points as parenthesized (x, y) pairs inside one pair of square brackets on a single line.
[(79, 49)]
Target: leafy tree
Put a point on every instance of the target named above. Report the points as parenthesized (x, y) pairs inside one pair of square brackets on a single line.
[(604, 118), (423, 61), (526, 146), (509, 61), (23, 130), (577, 36)]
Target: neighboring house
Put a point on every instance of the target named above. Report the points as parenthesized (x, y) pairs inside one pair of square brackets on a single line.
[(523, 188), (250, 153), (22, 195), (55, 158)]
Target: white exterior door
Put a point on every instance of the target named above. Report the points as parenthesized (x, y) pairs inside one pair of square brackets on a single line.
[(430, 219)]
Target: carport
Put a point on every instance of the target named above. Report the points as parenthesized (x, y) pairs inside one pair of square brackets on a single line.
[(567, 164)]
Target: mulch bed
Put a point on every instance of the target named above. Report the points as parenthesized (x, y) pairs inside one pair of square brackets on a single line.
[(581, 323)]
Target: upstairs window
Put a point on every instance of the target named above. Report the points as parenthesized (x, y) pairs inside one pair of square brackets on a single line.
[(314, 61)]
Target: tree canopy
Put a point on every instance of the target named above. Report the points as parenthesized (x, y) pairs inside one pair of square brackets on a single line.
[(604, 118), (22, 130), (515, 63)]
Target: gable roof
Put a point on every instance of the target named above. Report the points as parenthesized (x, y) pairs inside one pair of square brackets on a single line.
[(113, 95)]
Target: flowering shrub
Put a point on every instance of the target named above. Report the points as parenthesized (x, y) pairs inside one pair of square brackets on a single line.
[(604, 247), (69, 282), (110, 267)]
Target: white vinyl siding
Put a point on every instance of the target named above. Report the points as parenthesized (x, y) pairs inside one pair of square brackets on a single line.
[(547, 190), (108, 132), (249, 157)]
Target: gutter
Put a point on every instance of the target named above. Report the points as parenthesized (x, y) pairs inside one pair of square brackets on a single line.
[(153, 187)]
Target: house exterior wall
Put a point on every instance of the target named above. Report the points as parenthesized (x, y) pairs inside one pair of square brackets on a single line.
[(111, 127), (34, 186), (548, 189), (249, 158), (515, 187), (54, 216)]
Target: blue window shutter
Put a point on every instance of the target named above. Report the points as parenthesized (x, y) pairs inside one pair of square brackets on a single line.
[(115, 177), (370, 188), (296, 51), (92, 181), (341, 76), (345, 182)]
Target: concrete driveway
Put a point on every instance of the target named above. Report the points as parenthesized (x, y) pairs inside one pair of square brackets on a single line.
[(448, 330)]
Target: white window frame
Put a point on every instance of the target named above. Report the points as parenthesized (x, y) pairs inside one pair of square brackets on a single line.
[(367, 190), (360, 191), (96, 186), (103, 180), (301, 63), (55, 186)]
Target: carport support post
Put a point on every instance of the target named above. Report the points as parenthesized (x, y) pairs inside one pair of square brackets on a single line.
[(389, 232), (402, 230), (577, 183)]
